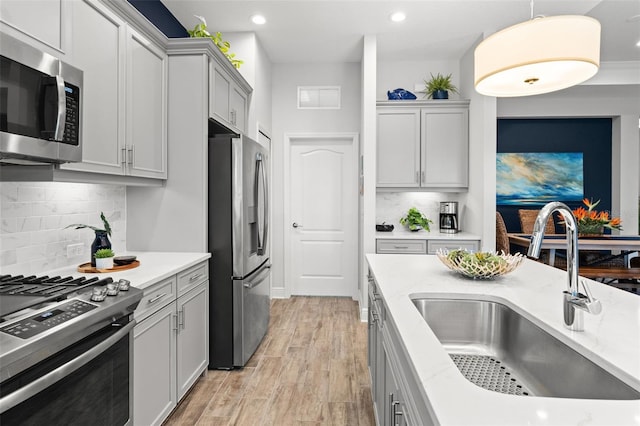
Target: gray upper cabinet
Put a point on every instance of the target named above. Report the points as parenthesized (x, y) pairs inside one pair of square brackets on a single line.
[(227, 99), (45, 29), (103, 98), (124, 111), (146, 111), (423, 144), (398, 150)]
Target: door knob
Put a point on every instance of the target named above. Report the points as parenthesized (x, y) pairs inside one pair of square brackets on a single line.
[(295, 225)]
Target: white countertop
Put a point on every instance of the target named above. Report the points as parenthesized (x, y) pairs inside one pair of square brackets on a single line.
[(154, 267), (435, 234), (611, 339)]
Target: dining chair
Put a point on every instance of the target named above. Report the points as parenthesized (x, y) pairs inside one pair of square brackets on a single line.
[(502, 239), (528, 218)]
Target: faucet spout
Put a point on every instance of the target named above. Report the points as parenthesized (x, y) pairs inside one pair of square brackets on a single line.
[(573, 299)]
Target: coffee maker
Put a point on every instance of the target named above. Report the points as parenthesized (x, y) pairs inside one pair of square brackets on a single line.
[(449, 217)]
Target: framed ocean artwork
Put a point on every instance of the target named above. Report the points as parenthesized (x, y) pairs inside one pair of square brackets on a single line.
[(536, 178)]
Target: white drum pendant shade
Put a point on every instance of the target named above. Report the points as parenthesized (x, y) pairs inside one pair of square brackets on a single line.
[(538, 56)]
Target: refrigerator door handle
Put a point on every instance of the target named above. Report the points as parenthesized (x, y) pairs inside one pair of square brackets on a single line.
[(259, 278), (261, 173)]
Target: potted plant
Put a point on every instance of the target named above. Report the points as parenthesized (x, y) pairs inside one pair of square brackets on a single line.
[(415, 220), (439, 86), (101, 240), (592, 222), (104, 258), (200, 30)]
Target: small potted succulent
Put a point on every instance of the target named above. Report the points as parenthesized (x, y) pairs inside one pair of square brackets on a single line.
[(104, 258), (439, 86), (415, 220)]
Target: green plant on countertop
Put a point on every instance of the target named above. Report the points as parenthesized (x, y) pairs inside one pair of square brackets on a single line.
[(439, 82), (416, 220), (107, 227), (104, 253), (200, 30)]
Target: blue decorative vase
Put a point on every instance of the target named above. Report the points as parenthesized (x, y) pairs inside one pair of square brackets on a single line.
[(100, 242), (440, 94)]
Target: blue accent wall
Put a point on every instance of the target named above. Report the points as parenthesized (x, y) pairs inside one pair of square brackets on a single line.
[(161, 17), (591, 136)]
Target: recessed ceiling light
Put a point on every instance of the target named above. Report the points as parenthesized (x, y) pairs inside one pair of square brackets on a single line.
[(258, 19), (398, 17)]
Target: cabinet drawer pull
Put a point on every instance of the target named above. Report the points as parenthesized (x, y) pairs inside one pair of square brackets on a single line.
[(157, 298), (194, 277), (401, 247)]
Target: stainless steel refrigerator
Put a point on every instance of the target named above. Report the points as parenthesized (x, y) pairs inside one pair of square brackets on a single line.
[(238, 228)]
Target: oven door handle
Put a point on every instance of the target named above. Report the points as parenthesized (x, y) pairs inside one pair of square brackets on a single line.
[(22, 394)]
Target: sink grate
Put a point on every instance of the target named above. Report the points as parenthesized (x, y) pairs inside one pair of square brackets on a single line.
[(489, 373)]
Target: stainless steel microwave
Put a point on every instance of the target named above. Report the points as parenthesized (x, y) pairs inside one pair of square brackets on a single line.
[(40, 106)]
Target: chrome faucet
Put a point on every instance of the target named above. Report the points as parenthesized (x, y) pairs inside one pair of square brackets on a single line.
[(573, 299)]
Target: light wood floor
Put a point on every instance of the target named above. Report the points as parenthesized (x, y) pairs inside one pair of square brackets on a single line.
[(310, 369)]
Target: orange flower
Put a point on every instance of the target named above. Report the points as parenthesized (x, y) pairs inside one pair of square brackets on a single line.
[(615, 222), (590, 218)]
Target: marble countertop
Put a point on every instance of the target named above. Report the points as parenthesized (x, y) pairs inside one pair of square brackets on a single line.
[(611, 339), (154, 267), (423, 235)]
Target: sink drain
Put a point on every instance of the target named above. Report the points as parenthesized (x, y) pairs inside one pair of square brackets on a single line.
[(489, 373)]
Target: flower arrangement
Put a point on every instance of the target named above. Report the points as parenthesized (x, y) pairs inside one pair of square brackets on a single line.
[(590, 221)]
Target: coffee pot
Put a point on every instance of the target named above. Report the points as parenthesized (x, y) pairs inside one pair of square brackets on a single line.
[(449, 217)]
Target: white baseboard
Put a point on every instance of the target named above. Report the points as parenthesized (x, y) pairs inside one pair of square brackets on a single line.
[(279, 293)]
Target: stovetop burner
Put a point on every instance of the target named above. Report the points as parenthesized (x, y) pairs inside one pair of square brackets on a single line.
[(21, 292)]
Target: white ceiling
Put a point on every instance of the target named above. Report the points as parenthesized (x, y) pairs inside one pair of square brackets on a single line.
[(331, 31)]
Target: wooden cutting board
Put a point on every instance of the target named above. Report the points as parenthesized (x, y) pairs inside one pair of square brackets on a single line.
[(86, 268)]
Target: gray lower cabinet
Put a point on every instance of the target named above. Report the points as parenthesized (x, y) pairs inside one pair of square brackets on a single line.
[(170, 343), (396, 394), (427, 246)]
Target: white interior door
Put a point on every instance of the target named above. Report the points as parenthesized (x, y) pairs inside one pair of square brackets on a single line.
[(323, 207)]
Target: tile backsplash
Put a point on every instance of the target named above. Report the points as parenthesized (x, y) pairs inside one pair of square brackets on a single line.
[(33, 217), (391, 206)]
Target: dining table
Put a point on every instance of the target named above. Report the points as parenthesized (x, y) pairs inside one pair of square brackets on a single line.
[(620, 245)]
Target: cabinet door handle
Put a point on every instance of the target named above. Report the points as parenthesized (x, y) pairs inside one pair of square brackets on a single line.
[(130, 152), (417, 177), (192, 278), (181, 315), (175, 322), (123, 159), (233, 116), (155, 299), (422, 180)]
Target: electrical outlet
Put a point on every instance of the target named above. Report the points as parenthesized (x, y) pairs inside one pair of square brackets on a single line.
[(74, 250)]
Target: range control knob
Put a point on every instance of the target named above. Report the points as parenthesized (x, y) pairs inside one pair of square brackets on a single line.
[(98, 294)]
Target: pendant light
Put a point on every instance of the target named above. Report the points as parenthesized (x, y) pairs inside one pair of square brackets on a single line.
[(538, 56)]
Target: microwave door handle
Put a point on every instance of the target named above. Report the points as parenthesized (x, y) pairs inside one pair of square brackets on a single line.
[(62, 109)]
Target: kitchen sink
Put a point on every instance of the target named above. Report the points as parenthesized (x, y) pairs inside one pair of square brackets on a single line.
[(498, 349)]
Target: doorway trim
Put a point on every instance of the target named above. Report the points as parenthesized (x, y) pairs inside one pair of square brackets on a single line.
[(292, 138)]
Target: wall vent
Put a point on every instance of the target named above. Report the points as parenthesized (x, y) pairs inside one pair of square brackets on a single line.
[(318, 97)]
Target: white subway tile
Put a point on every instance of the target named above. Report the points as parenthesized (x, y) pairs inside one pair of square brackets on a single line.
[(26, 224), (15, 240), (7, 257), (8, 225)]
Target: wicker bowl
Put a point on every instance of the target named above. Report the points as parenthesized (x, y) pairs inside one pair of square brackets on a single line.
[(468, 264)]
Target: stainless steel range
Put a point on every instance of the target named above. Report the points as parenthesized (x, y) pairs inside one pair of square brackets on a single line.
[(65, 353)]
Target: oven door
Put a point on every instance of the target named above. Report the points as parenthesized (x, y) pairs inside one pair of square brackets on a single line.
[(89, 382)]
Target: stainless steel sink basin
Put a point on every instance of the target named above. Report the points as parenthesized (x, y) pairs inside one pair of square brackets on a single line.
[(498, 349)]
